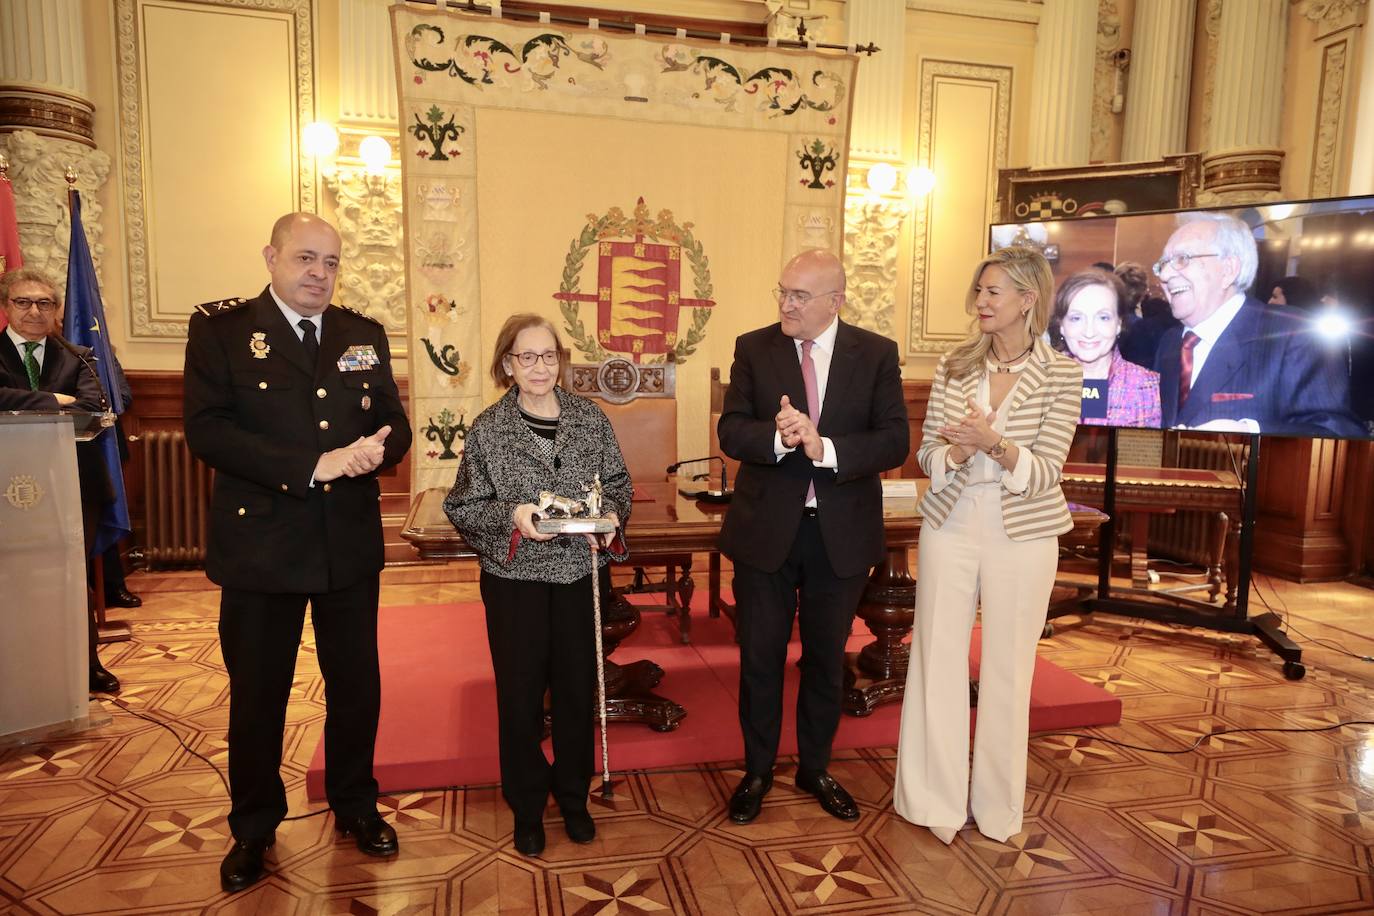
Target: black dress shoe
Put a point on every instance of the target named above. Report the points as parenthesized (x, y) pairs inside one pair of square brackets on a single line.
[(123, 598), (529, 838), (374, 835), (832, 796), (579, 825), (103, 681), (243, 866), (748, 797)]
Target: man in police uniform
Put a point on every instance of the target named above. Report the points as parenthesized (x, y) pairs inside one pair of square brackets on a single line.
[(292, 402)]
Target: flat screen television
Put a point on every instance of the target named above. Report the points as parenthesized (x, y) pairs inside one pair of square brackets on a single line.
[(1235, 319)]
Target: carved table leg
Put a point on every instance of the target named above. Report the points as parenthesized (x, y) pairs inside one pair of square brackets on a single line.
[(1232, 561), (685, 589), (877, 674), (629, 695)]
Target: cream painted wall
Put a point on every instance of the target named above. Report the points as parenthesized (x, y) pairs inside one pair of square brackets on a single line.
[(958, 217)]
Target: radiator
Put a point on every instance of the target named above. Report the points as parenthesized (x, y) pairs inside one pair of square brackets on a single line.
[(176, 502), (1189, 536)]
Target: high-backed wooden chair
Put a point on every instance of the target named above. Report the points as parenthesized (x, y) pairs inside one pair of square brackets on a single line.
[(641, 403)]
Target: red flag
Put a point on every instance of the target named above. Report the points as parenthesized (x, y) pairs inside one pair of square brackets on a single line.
[(10, 258)]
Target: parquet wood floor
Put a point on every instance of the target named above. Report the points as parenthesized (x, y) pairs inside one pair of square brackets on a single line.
[(121, 819)]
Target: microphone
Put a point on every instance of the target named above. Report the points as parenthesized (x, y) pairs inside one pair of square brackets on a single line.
[(107, 416), (711, 496)]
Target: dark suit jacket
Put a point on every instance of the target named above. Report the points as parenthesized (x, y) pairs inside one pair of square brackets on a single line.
[(1265, 366), (262, 424), (863, 415), (62, 373)]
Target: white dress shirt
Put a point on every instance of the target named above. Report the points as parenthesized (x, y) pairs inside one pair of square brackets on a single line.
[(1211, 328), (19, 342), (293, 316), (822, 349)]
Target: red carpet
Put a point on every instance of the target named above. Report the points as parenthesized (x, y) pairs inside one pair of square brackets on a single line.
[(438, 725)]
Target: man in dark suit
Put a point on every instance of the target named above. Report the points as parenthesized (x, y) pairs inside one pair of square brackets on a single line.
[(1236, 364), (292, 402), (814, 413), (41, 371)]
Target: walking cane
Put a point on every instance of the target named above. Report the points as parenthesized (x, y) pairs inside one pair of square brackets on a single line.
[(606, 791)]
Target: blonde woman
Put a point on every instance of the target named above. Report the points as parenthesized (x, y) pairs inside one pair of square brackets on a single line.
[(1003, 408)]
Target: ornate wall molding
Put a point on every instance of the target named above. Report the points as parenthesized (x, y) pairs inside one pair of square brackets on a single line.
[(1104, 80), (131, 138), (1332, 15), (1004, 10), (999, 79), (372, 268), (38, 166), (872, 233), (1326, 144), (1211, 28), (1241, 175)]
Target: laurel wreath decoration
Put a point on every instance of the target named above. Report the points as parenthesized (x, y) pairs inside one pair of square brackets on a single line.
[(614, 224)]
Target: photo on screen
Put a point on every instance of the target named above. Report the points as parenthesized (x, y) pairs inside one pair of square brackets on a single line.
[(1255, 319)]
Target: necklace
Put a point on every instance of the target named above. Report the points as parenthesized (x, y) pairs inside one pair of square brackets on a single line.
[(997, 364)]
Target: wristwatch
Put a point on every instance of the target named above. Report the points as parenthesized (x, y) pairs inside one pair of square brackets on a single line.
[(1000, 449)]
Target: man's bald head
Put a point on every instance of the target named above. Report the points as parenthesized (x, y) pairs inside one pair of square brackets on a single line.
[(283, 228), (811, 293)]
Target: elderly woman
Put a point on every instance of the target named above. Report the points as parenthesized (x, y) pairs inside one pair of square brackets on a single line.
[(1089, 312), (537, 588), (1002, 412)]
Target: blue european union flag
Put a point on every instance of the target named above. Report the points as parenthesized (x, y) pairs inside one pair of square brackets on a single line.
[(84, 325)]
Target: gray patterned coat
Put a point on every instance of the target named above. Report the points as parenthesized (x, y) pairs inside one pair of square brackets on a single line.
[(503, 466)]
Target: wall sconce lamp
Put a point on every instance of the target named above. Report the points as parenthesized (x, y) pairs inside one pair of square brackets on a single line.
[(319, 139), (375, 153), (920, 181)]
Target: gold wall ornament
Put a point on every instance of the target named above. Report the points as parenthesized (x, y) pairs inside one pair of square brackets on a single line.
[(37, 170), (872, 231), (23, 492), (372, 266)]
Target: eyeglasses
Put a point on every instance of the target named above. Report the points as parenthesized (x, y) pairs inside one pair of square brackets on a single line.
[(798, 296), (529, 358), (1179, 262), (43, 305)]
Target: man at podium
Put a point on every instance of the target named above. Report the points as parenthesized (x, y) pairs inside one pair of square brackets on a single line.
[(41, 371)]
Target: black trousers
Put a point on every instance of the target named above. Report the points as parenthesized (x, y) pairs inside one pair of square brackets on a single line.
[(806, 587), (259, 634), (541, 638)]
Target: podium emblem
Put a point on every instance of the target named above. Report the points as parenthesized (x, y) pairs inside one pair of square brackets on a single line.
[(23, 492)]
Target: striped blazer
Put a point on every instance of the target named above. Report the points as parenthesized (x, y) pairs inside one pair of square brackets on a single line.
[(1041, 416)]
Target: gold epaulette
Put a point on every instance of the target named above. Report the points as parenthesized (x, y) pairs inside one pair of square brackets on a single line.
[(221, 306), (360, 315)]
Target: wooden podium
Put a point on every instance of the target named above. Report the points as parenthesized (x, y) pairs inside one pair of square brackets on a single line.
[(44, 668)]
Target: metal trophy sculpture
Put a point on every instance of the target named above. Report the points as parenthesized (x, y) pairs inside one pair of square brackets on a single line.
[(564, 515)]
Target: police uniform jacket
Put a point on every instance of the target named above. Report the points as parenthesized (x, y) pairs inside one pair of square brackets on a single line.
[(259, 415)]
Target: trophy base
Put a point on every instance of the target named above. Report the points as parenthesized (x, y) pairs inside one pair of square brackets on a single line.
[(574, 526)]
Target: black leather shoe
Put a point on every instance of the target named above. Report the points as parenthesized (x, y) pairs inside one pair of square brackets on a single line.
[(103, 681), (579, 825), (243, 867), (529, 838), (832, 796), (123, 598), (374, 835), (748, 797)]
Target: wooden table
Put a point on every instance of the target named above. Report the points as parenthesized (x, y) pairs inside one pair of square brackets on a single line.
[(664, 523), (1141, 491)]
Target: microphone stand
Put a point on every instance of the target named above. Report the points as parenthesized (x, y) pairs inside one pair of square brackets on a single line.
[(107, 416), (711, 496)]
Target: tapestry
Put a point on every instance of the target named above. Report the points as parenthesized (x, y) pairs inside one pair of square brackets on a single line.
[(641, 192)]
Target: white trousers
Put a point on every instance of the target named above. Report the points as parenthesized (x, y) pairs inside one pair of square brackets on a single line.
[(968, 556)]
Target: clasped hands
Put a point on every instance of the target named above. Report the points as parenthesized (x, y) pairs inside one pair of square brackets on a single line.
[(973, 433), (796, 429), (524, 519), (362, 457)]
